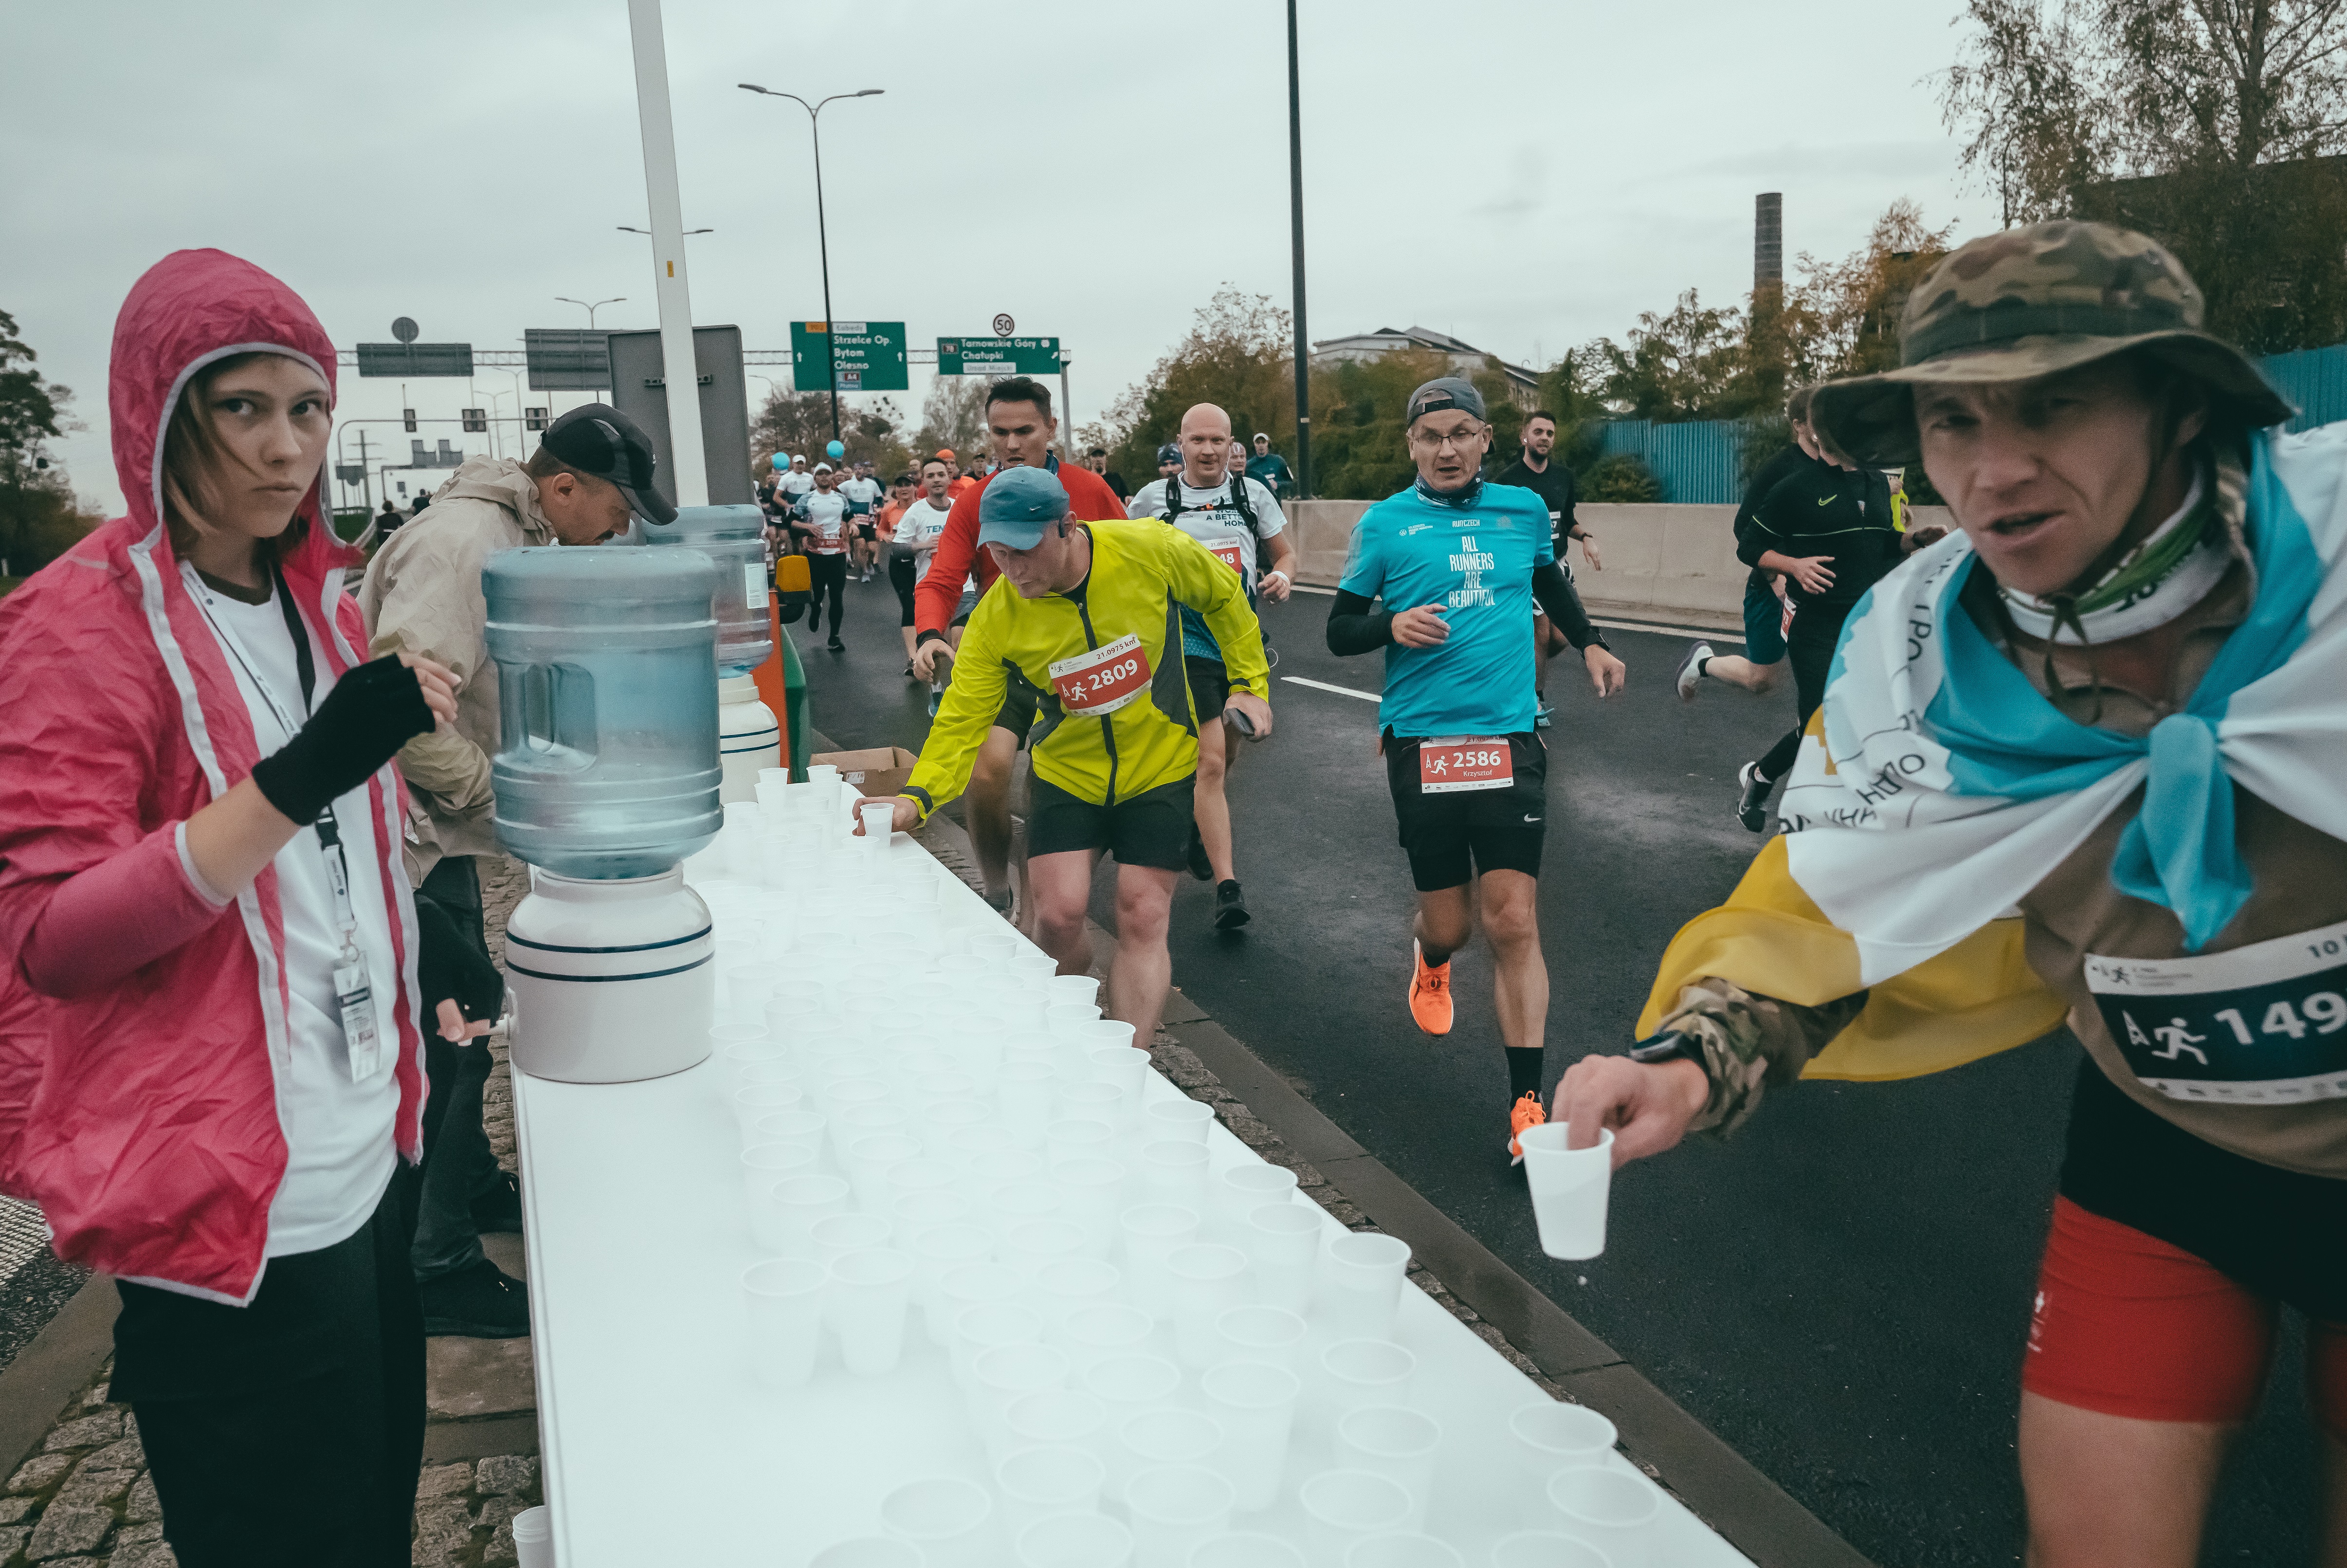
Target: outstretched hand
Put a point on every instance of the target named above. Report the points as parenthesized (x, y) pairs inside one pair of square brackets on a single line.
[(1647, 1105)]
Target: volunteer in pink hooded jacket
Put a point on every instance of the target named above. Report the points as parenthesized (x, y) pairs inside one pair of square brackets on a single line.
[(213, 941)]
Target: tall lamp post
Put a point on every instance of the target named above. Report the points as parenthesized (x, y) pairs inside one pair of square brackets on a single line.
[(822, 245), (591, 306), (1296, 205)]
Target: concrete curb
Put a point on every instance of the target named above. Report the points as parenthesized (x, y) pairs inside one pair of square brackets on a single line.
[(54, 1369)]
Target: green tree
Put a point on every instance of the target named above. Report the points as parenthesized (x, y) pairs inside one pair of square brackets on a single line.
[(1237, 356), (953, 416), (800, 423), (1360, 447), (39, 519)]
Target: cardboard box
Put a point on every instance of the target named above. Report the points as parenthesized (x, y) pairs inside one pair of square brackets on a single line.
[(876, 771)]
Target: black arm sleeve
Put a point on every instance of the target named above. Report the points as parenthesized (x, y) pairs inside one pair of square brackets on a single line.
[(1554, 591), (1354, 628), (1565, 523)]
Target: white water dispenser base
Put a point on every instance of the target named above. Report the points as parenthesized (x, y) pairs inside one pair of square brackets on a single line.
[(748, 737), (613, 981)]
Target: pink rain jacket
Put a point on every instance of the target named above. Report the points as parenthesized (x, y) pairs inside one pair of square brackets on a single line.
[(142, 1114)]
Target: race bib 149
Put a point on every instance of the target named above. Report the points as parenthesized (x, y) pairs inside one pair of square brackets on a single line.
[(2260, 1025)]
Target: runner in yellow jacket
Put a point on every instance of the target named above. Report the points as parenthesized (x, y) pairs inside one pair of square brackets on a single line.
[(1088, 614)]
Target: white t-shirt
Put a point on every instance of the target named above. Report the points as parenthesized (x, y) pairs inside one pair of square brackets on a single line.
[(919, 527), (339, 1152), (1215, 522), (794, 484), (826, 513), (865, 495)]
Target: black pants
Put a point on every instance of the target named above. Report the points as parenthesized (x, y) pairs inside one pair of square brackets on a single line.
[(1810, 646), (290, 1432), (458, 1166), (903, 577), (826, 573)]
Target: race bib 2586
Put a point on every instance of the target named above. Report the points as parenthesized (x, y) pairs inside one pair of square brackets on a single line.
[(2260, 1025)]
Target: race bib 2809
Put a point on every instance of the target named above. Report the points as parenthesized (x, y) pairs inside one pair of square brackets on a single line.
[(1098, 681), (2260, 1025)]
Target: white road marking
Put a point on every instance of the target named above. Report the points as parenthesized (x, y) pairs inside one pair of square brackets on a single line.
[(1307, 587), (1661, 630), (1324, 686)]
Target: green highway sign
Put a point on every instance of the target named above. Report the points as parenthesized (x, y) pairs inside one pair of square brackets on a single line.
[(866, 356), (998, 356)]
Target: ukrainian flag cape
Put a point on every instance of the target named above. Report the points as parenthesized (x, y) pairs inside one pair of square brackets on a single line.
[(1936, 787)]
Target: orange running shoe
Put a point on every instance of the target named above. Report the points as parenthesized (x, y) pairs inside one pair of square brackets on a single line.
[(1429, 993), (1526, 1115)]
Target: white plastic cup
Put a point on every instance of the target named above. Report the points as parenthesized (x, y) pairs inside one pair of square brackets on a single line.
[(1096, 1333), (870, 1162), (1106, 1033), (1005, 1373), (1245, 1549), (1126, 1066), (1072, 991), (786, 1312), (1175, 1171), (869, 1551), (737, 1057), (783, 1220), (949, 1519), (1569, 1188), (868, 1304), (1360, 1280), (1366, 1372), (1090, 1100), (1404, 1550), (1547, 1549), (1065, 1285), (1208, 1281), (1618, 1513), (1259, 1333), (1397, 1444), (533, 1533), (1185, 1120), (878, 1119), (837, 1235), (878, 820), (1244, 1188), (942, 1128), (1173, 1508), (1151, 1233), (924, 1178), (1076, 1541), (763, 1164), (754, 1101), (1550, 1436), (1092, 1194), (1127, 1385), (1074, 1138), (1067, 1021), (1283, 1243), (1041, 1483), (1256, 1404), (1344, 1506), (789, 1125), (937, 1251), (988, 1327), (1024, 1091), (1052, 1418)]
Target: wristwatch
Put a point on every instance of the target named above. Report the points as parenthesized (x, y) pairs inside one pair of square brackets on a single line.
[(1665, 1045)]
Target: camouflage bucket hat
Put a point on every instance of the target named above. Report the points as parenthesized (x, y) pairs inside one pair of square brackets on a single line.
[(2029, 301)]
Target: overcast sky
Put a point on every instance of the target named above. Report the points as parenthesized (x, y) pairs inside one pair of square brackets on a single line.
[(1524, 175)]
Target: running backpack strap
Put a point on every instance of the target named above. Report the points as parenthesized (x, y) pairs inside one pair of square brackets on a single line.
[(1240, 504), (1172, 498)]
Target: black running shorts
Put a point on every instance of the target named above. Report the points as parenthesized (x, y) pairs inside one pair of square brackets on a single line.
[(1017, 713), (1151, 828), (866, 531), (1453, 837), (1210, 687)]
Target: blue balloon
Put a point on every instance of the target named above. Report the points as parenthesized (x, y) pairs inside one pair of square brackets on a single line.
[(781, 461), (836, 451)]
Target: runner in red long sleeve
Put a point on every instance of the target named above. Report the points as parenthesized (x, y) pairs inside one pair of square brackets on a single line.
[(1018, 419)]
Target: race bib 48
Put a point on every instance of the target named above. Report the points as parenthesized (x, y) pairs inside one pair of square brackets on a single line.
[(2261, 1025)]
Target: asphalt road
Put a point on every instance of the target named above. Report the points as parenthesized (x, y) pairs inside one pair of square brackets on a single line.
[(1842, 1291)]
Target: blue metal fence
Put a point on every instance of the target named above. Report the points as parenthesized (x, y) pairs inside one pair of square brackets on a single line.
[(2313, 378)]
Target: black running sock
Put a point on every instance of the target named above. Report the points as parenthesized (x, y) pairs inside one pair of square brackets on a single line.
[(1524, 1069), (1782, 755), (1702, 666)]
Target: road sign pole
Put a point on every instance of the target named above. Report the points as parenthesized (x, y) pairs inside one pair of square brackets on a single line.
[(670, 284), (822, 249), (1067, 412), (1295, 212)]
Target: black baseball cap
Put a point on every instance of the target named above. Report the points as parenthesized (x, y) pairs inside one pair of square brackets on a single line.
[(1169, 453), (600, 440), (1445, 392)]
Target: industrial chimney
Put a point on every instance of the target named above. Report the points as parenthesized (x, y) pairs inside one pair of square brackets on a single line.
[(1767, 240)]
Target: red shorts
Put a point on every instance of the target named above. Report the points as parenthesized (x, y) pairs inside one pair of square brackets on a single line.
[(2129, 1326)]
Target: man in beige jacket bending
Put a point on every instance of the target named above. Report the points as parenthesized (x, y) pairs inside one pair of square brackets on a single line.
[(422, 594)]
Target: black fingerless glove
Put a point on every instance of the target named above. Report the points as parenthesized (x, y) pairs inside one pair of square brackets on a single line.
[(372, 711), (449, 966)]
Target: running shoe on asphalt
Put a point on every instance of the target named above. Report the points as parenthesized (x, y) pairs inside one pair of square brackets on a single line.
[(1752, 805), (1691, 670), (479, 1301), (1526, 1116), (835, 645), (1429, 994), (1200, 867), (1230, 907)]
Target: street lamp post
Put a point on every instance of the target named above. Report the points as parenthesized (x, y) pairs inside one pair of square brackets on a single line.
[(822, 244), (591, 306), (1296, 215)]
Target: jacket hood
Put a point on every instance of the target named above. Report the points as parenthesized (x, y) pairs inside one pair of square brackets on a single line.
[(503, 481), (189, 310)]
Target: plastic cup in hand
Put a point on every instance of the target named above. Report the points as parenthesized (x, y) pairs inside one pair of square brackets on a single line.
[(1152, 1231), (756, 1099), (1343, 1506), (1407, 1551), (1007, 1372), (868, 1305), (1551, 1436), (1569, 1188), (1360, 1284), (1175, 1171), (1208, 1281), (1283, 1243), (1072, 991), (1259, 1333), (837, 1235), (1366, 1372), (1185, 1120), (1254, 1403), (1095, 1333), (1547, 1549), (1173, 1508), (1091, 1193), (1238, 1192), (1041, 1483), (783, 1220), (869, 1551), (949, 1519), (878, 824), (988, 1327), (937, 1251), (785, 1298), (1075, 1541), (763, 1164), (1397, 1444), (1616, 1513), (1245, 1549), (1065, 1285), (1052, 1418)]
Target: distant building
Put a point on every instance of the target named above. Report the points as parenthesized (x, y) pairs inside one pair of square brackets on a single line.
[(1465, 357)]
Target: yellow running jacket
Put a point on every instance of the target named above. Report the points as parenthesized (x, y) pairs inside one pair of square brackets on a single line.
[(1114, 717)]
